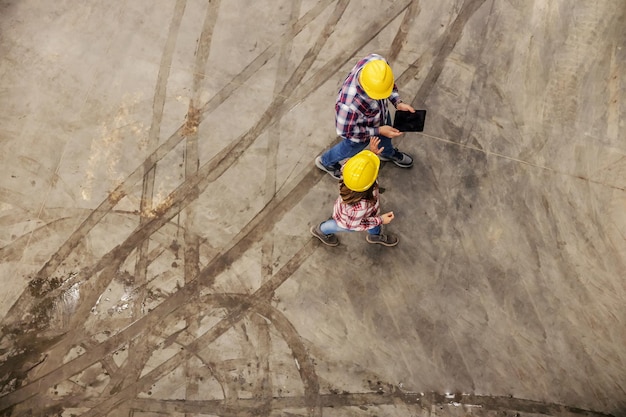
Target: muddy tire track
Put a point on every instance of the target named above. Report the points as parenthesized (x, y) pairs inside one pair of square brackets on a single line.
[(448, 42), (25, 302), (403, 31), (223, 160), (138, 350), (589, 23), (273, 141), (237, 313), (120, 252), (569, 65), (249, 235), (13, 251), (191, 241), (242, 307), (180, 198), (424, 403), (263, 390)]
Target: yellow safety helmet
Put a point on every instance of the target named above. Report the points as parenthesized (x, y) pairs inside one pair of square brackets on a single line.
[(360, 172), (377, 80)]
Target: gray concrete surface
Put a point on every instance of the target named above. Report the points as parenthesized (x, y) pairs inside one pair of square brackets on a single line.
[(158, 185)]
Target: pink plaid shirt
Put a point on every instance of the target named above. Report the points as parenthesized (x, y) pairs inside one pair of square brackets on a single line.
[(358, 216), (357, 117)]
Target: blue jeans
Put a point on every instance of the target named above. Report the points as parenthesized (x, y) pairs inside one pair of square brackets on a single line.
[(330, 227), (347, 149)]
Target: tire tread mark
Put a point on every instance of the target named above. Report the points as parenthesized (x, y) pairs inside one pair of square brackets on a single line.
[(180, 198), (136, 356), (235, 315), (399, 40), (273, 141), (423, 401), (25, 301), (448, 42)]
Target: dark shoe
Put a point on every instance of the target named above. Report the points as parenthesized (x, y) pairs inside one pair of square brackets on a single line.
[(330, 240), (334, 172), (401, 159), (386, 240)]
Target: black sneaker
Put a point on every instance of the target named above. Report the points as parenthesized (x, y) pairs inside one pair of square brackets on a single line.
[(401, 159), (330, 240), (334, 172), (386, 240)]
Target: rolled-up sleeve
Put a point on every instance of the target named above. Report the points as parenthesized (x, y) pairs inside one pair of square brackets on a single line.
[(395, 96)]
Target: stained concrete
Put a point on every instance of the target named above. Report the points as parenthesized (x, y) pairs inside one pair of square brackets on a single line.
[(158, 186)]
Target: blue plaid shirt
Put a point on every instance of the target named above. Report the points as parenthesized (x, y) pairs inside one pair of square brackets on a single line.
[(357, 116)]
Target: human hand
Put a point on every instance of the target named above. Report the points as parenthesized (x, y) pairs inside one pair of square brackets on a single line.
[(389, 131), (374, 142), (405, 107), (387, 217)]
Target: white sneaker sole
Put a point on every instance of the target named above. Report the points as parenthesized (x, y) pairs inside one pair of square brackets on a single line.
[(318, 163)]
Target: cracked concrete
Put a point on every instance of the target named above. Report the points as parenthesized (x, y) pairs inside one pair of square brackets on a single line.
[(158, 187)]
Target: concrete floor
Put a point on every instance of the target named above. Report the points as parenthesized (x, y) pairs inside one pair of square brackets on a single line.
[(158, 186)]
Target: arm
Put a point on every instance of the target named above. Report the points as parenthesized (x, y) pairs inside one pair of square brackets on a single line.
[(395, 97), (370, 222), (374, 221), (398, 103)]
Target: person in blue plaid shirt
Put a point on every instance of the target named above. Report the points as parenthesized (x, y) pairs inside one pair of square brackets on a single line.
[(361, 112)]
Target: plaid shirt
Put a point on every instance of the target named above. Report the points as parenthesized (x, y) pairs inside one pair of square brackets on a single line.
[(357, 117), (358, 216)]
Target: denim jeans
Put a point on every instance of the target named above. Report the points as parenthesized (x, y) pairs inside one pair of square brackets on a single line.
[(347, 149), (330, 227)]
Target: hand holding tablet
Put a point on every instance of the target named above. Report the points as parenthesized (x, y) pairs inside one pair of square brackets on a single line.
[(405, 121)]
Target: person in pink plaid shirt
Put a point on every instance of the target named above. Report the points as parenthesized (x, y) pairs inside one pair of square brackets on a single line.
[(357, 207), (361, 112)]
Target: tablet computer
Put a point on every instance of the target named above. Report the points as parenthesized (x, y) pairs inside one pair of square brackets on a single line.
[(405, 121)]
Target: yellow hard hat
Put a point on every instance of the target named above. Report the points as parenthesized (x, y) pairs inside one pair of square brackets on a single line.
[(377, 80), (360, 172)]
